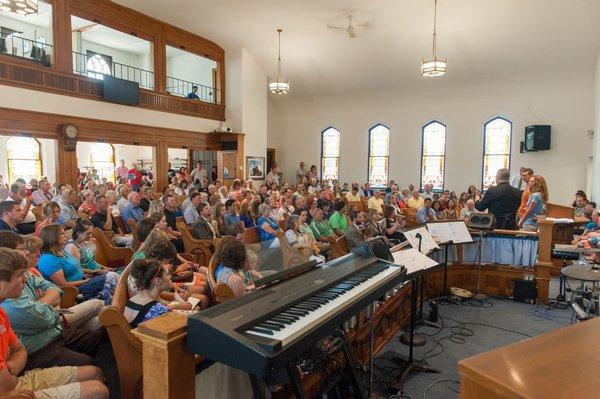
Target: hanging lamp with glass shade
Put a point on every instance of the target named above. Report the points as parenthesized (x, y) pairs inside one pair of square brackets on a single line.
[(23, 7), (279, 86), (434, 67)]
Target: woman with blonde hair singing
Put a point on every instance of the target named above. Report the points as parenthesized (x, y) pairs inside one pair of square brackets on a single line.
[(535, 205)]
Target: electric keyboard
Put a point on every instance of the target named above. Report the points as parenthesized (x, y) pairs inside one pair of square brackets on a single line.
[(265, 330)]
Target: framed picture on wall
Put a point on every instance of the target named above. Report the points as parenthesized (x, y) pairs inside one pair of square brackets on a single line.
[(255, 168)]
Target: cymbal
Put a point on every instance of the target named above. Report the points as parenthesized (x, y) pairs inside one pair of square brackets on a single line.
[(585, 273)]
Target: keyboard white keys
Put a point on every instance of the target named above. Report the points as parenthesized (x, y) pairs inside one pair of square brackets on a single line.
[(309, 321)]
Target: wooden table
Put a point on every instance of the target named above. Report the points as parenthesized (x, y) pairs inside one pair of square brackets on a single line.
[(559, 364)]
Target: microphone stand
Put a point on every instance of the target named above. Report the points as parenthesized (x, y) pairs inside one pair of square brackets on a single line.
[(411, 337), (479, 296)]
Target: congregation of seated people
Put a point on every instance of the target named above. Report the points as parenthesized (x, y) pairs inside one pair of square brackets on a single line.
[(49, 244)]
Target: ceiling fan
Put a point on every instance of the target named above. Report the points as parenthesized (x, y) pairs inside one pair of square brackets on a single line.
[(350, 28)]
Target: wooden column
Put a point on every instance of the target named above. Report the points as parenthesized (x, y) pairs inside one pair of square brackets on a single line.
[(160, 63), (66, 165), (544, 261), (169, 369), (161, 161), (62, 58)]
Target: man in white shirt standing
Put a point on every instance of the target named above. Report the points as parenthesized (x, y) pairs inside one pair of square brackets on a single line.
[(300, 173), (428, 193), (199, 173)]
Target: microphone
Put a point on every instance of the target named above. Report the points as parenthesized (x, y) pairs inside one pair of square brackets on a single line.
[(418, 235)]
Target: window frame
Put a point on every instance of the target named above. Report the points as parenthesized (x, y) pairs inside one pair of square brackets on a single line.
[(113, 162), (369, 154), (484, 154), (443, 156), (97, 74), (9, 160), (322, 148)]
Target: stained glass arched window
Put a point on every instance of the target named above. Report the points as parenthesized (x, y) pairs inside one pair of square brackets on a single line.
[(330, 154), (496, 149), (24, 159), (433, 153), (379, 155), (97, 66), (103, 160)]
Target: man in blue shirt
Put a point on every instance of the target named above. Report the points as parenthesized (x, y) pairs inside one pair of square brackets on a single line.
[(132, 210), (231, 217), (193, 95), (426, 213), (10, 216)]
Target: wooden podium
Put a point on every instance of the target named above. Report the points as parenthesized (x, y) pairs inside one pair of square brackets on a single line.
[(559, 364)]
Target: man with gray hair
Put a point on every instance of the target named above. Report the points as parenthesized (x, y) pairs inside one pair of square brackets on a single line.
[(502, 201)]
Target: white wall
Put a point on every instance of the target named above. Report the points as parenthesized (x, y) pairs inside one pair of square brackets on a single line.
[(48, 151), (562, 100), (596, 146), (123, 57), (247, 101), (192, 68), (27, 29)]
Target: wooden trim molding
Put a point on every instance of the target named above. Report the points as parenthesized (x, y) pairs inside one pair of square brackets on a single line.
[(46, 125), (14, 72)]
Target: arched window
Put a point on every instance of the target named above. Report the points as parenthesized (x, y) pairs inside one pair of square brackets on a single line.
[(330, 154), (433, 153), (103, 160), (496, 149), (24, 160), (379, 151), (97, 66)]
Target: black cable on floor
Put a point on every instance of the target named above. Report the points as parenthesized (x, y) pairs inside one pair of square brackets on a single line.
[(437, 382)]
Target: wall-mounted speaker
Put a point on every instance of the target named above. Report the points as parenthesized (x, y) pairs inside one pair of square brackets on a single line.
[(537, 137), (229, 145), (481, 221)]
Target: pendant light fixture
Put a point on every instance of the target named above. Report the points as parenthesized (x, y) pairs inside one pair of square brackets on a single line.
[(279, 86), (434, 67), (22, 7)]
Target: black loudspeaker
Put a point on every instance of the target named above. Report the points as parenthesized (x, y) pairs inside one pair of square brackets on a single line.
[(537, 137), (525, 291), (229, 145), (481, 221)]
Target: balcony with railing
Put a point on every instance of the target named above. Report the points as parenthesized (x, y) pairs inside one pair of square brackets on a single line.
[(182, 88), (28, 49), (96, 67)]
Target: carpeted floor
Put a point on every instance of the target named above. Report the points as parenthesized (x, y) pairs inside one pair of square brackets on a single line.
[(469, 329)]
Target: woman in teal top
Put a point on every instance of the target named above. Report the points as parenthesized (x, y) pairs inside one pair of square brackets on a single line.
[(535, 204), (79, 248), (64, 269)]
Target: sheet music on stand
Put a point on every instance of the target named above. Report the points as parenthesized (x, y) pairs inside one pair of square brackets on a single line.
[(413, 260), (455, 231), (428, 244)]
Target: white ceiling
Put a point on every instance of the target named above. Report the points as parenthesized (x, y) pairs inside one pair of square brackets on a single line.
[(482, 39), (109, 37)]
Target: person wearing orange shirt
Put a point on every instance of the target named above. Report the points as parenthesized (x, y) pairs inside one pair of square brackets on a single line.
[(526, 174)]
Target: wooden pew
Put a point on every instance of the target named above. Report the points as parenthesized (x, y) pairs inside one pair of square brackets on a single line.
[(291, 256), (202, 249), (109, 255), (126, 347), (339, 246)]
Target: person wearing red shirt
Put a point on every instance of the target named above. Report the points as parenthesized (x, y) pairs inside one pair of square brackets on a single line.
[(135, 177)]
